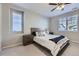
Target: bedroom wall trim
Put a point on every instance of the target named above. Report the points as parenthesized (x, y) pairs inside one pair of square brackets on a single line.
[(12, 45), (75, 42)]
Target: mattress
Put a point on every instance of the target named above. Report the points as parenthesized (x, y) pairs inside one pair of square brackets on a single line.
[(45, 42)]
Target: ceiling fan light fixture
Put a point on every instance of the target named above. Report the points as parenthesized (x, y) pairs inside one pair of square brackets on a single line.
[(60, 6)]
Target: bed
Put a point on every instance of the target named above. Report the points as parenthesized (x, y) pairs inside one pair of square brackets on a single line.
[(54, 47)]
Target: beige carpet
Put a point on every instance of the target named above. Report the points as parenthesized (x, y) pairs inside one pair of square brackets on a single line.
[(72, 50), (29, 50), (35, 50)]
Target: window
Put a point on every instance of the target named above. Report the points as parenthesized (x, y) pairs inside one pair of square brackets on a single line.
[(72, 23), (68, 23), (62, 24), (17, 20)]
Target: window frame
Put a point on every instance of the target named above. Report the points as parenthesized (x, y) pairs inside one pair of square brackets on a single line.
[(11, 18), (76, 15), (65, 19), (67, 23)]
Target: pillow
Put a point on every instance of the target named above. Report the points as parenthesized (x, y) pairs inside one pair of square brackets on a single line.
[(37, 34), (40, 34), (51, 33), (34, 33), (43, 33), (47, 32)]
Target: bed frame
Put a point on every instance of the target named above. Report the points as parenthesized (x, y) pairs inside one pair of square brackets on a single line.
[(60, 52)]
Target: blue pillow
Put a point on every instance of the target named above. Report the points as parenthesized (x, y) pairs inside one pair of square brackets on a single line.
[(34, 33)]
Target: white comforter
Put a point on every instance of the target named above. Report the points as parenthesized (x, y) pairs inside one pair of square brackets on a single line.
[(53, 47)]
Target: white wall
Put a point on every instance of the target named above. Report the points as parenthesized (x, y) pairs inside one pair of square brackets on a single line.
[(53, 25), (0, 27), (30, 20)]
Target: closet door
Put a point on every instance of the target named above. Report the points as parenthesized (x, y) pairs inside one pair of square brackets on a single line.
[(0, 26)]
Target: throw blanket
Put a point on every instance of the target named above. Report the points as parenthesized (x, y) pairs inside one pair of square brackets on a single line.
[(57, 38)]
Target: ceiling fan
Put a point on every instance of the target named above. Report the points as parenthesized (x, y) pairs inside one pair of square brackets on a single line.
[(59, 6)]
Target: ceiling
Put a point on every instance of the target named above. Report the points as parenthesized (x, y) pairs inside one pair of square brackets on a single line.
[(44, 9)]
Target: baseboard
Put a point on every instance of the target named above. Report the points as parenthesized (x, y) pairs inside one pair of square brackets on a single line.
[(12, 45), (75, 42)]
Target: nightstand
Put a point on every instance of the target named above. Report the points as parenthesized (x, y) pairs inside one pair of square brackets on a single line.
[(27, 39)]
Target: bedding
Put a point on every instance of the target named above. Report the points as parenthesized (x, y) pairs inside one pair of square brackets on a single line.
[(57, 38), (44, 40), (52, 46)]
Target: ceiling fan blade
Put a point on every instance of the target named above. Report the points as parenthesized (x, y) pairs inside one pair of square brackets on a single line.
[(57, 3), (53, 9), (67, 3), (52, 4)]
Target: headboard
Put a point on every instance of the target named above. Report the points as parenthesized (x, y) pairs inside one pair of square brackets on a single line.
[(33, 30)]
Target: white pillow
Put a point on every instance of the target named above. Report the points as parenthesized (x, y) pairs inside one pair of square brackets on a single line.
[(47, 32), (40, 33), (43, 33), (37, 34)]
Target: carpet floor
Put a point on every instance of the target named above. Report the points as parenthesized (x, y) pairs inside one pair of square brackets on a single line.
[(35, 50)]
